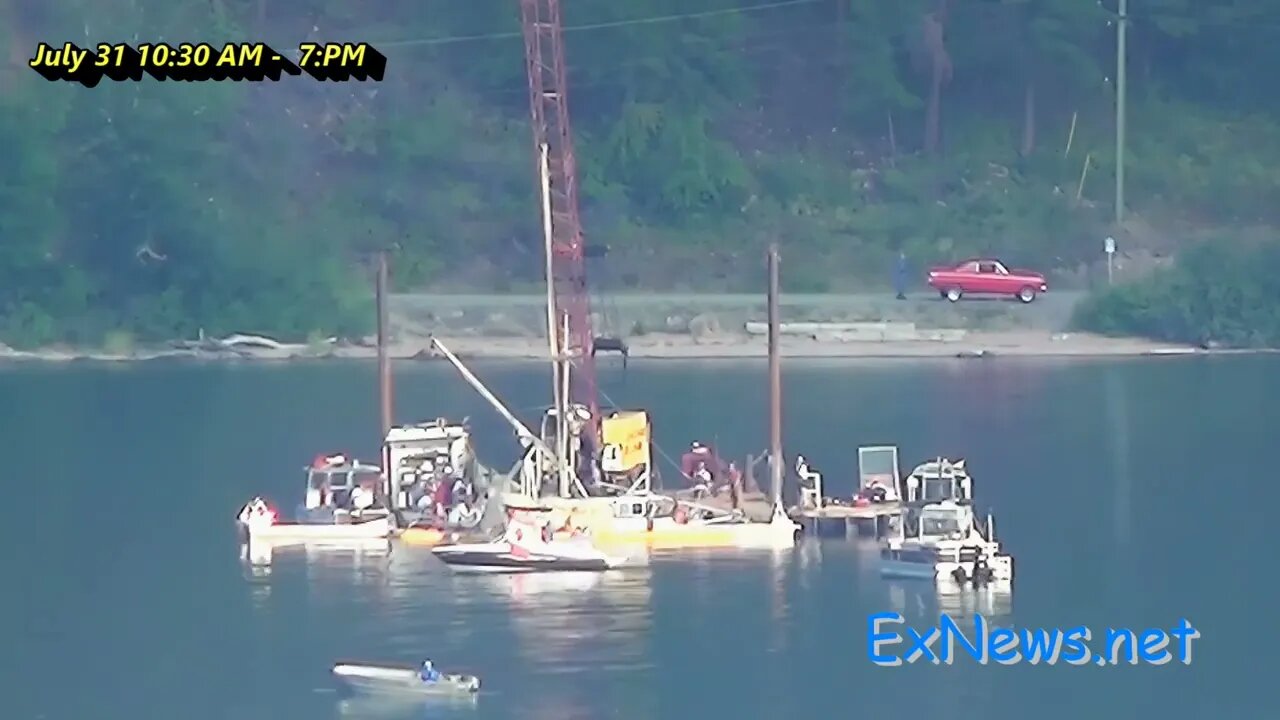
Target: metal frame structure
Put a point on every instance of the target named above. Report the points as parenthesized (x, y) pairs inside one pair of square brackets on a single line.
[(549, 110)]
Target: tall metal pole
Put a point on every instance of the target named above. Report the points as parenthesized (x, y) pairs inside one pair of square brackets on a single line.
[(1121, 56), (384, 360), (384, 376), (775, 384)]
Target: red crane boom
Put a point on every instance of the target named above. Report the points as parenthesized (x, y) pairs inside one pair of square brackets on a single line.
[(549, 108)]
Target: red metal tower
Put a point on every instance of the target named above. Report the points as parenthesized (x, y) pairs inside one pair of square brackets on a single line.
[(549, 107)]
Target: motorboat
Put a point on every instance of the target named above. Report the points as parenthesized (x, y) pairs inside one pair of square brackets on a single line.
[(344, 500), (401, 679), (525, 548), (946, 545), (258, 521)]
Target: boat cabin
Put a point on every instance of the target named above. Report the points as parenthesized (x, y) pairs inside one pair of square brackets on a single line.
[(428, 453), (939, 480), (340, 484), (944, 521)]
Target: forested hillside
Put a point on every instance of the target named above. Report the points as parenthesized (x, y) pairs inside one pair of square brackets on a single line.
[(842, 128)]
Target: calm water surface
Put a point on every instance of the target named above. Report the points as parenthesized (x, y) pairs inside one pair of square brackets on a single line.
[(1131, 493)]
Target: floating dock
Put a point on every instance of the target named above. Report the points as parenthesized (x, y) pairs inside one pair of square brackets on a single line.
[(847, 520)]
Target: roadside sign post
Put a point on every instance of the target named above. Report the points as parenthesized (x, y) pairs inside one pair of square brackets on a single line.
[(1109, 247)]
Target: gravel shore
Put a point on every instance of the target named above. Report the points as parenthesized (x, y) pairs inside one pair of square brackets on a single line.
[(694, 327)]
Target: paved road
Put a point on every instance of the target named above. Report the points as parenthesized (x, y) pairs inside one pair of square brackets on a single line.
[(1049, 312)]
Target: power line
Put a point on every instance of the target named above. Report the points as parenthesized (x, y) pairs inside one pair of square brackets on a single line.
[(597, 26)]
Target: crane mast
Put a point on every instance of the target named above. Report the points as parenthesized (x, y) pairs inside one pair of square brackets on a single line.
[(549, 108)]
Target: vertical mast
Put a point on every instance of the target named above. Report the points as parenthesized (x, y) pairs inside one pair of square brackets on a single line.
[(557, 337), (775, 384), (384, 375), (384, 360)]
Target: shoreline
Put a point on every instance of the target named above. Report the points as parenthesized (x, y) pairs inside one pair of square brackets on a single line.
[(679, 327), (726, 347)]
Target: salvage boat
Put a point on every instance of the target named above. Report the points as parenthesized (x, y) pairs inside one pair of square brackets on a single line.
[(401, 679), (946, 546)]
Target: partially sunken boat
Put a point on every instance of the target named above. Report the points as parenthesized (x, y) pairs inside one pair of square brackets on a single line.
[(524, 547)]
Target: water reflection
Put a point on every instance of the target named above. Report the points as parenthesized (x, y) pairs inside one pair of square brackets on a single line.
[(377, 707), (345, 562), (262, 553), (779, 559), (926, 601), (1118, 444), (578, 620)]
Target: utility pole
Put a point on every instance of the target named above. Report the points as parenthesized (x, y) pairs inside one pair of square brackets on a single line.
[(384, 359), (775, 384), (1121, 55)]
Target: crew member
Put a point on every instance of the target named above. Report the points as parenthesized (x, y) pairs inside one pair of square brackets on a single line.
[(443, 497), (429, 672), (735, 484), (459, 492), (900, 276), (361, 498), (808, 477)]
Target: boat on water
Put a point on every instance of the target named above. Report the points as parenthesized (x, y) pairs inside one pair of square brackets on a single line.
[(347, 518), (525, 547), (947, 546), (401, 679), (440, 488)]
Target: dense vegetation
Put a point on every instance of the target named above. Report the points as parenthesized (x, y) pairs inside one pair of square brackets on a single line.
[(843, 128), (1215, 294)]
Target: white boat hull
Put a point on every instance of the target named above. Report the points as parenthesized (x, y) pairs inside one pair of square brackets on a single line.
[(376, 529), (396, 679), (944, 571), (505, 557)]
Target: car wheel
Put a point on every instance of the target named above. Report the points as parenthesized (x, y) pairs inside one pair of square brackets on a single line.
[(953, 294), (1027, 294)]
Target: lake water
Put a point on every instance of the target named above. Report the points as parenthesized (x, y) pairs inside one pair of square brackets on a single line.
[(1131, 493)]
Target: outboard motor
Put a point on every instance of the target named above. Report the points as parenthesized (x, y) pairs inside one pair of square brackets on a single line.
[(981, 572)]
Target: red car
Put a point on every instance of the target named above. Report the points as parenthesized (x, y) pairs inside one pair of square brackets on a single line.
[(986, 277)]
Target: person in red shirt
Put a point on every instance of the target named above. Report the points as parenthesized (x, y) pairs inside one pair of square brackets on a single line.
[(443, 497)]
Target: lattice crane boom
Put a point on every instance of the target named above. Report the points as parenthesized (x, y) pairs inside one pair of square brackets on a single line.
[(549, 108)]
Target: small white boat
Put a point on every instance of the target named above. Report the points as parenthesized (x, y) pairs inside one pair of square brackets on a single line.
[(522, 549), (257, 522), (946, 546), (401, 679)]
